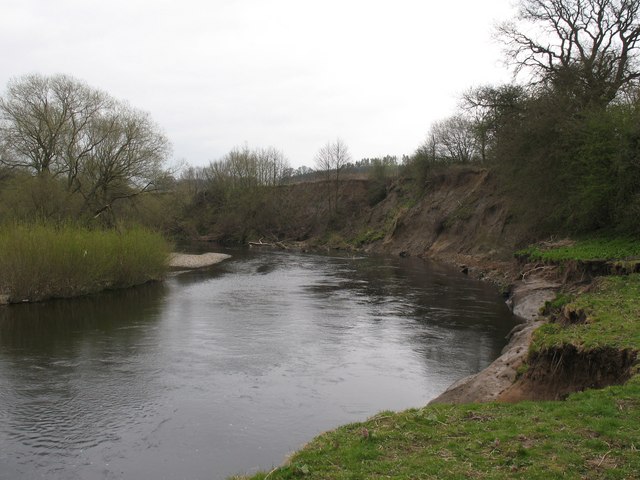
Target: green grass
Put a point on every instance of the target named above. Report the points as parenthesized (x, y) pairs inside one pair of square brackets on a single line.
[(586, 249), (41, 261), (367, 236), (612, 311), (556, 305), (593, 434)]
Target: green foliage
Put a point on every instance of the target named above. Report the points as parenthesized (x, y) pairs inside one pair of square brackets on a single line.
[(378, 179), (595, 248), (24, 197), (40, 261), (27, 198), (571, 168), (555, 305), (418, 168), (334, 240)]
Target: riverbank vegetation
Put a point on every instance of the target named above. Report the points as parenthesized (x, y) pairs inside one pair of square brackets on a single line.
[(78, 171), (607, 316), (39, 261), (562, 145), (86, 151), (598, 248), (564, 150), (592, 434)]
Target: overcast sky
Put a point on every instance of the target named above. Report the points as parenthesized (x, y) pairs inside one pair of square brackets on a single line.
[(291, 74)]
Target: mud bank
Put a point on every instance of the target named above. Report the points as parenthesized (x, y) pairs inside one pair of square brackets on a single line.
[(556, 373)]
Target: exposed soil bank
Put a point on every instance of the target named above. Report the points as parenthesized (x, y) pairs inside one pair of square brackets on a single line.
[(556, 373), (489, 384)]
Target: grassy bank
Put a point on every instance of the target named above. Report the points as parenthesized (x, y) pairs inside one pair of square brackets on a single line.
[(592, 434), (607, 316), (41, 261), (599, 248)]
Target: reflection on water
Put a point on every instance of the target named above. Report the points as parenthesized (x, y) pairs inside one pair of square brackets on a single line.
[(226, 370)]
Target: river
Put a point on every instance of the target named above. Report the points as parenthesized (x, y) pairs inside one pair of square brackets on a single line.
[(226, 370)]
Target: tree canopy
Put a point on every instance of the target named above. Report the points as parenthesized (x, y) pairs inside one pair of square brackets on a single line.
[(587, 48), (60, 127)]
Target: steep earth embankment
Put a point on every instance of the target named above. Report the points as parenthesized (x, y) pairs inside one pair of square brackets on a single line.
[(458, 217)]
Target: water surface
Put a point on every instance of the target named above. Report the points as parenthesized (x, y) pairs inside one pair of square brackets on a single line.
[(226, 370)]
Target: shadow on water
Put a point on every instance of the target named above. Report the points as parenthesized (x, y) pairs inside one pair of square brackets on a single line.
[(65, 325)]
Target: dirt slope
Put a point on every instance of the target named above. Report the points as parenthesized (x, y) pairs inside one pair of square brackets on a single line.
[(460, 213), (460, 218)]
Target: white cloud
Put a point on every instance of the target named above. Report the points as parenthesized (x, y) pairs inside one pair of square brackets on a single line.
[(292, 74)]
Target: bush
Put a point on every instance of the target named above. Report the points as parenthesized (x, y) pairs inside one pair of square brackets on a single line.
[(573, 170), (40, 261)]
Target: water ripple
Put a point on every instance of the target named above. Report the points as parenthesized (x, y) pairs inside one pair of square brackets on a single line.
[(218, 371)]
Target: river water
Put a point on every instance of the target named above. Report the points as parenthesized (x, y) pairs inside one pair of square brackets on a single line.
[(226, 370)]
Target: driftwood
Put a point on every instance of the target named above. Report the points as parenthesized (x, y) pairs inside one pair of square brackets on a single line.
[(260, 243)]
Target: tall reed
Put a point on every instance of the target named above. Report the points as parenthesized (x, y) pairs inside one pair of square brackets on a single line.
[(40, 261)]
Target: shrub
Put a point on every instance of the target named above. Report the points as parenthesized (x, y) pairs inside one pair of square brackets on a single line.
[(40, 261)]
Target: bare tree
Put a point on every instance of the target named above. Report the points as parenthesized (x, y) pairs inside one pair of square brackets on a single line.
[(273, 167), (587, 47), (126, 161), (324, 160), (490, 109), (246, 169), (35, 115), (331, 159), (60, 127), (192, 182), (454, 140)]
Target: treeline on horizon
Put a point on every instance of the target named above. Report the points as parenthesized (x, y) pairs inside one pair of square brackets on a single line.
[(565, 145)]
